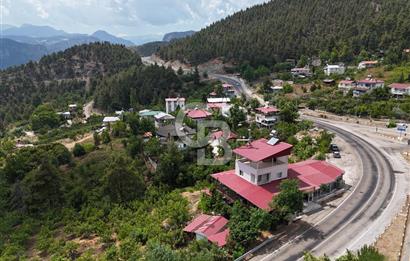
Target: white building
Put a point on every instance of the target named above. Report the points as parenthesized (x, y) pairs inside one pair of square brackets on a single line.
[(400, 89), (304, 72), (334, 69), (370, 84), (172, 104), (367, 64), (267, 116), (109, 120)]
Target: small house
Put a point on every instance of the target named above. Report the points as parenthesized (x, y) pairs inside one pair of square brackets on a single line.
[(400, 89), (334, 69), (198, 114), (162, 119), (346, 85), (211, 228), (370, 84), (301, 72)]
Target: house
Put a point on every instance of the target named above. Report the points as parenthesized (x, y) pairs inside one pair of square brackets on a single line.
[(72, 107), (301, 72), (65, 115), (170, 133), (334, 69), (217, 139), (211, 228), (400, 89), (172, 104), (229, 90), (267, 116), (370, 83), (148, 113), (109, 120), (198, 114), (367, 64), (262, 165), (217, 103), (346, 85), (162, 119), (276, 89)]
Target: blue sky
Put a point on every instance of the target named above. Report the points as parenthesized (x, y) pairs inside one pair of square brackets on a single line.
[(120, 17)]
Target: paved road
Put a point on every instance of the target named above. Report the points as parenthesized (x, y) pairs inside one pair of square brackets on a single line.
[(351, 218), (240, 86)]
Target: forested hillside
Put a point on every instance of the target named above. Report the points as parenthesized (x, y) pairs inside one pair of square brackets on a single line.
[(283, 29), (136, 86), (61, 78)]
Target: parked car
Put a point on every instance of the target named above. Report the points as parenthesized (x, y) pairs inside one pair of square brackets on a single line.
[(336, 155), (334, 147)]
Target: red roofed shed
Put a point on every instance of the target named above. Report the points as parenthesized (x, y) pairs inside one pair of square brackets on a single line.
[(212, 228)]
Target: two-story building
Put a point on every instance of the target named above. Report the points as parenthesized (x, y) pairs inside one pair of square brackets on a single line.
[(198, 114), (346, 85), (262, 165), (334, 69), (162, 119), (267, 116), (370, 83), (400, 89), (301, 72), (229, 90), (172, 104)]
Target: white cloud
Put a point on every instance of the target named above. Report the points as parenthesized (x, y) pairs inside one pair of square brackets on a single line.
[(131, 17)]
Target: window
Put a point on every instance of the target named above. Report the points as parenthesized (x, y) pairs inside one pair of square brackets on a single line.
[(279, 175), (259, 178), (267, 177), (240, 173), (252, 178)]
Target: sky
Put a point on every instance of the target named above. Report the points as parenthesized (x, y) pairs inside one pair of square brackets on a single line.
[(120, 17)]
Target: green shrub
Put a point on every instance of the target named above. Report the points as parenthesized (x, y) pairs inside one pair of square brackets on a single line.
[(79, 150)]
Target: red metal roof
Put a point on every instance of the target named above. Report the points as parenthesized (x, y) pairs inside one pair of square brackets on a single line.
[(310, 174), (267, 109), (369, 81), (402, 86), (206, 225), (219, 134), (221, 238), (215, 105), (259, 150), (346, 82), (198, 114)]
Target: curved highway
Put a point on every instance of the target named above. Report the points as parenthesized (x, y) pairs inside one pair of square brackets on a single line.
[(353, 216)]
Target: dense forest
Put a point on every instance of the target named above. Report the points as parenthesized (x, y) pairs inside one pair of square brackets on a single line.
[(282, 29), (61, 78), (137, 86)]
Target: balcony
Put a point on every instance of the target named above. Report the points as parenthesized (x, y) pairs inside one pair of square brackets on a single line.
[(261, 167)]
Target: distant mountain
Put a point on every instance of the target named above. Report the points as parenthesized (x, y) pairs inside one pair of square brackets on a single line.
[(6, 26), (52, 40), (15, 53), (106, 37), (278, 30), (143, 39), (149, 49), (177, 35), (33, 31)]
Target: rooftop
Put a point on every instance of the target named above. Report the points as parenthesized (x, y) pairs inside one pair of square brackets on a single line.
[(170, 131), (267, 109), (370, 81), (175, 99), (212, 227), (111, 119), (402, 86), (218, 100), (147, 113), (219, 134), (198, 114), (164, 116), (259, 150), (310, 174)]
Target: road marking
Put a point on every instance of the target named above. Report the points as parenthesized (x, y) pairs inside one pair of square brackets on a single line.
[(321, 220)]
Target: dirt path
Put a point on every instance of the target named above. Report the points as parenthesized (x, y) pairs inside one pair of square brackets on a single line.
[(69, 143)]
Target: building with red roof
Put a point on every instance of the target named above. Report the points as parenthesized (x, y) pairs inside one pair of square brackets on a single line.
[(262, 165), (198, 114), (367, 64), (370, 84), (267, 116), (346, 85), (212, 228), (400, 89)]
